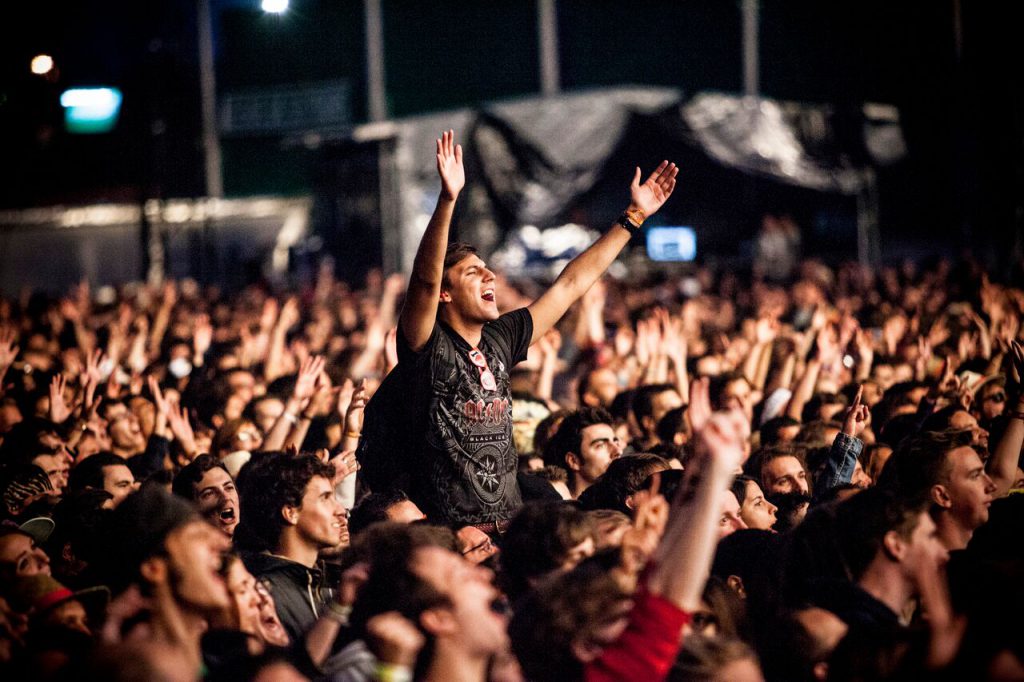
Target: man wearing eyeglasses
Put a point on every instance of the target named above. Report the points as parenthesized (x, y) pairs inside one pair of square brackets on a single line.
[(456, 349)]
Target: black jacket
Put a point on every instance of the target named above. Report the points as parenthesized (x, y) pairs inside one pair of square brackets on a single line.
[(300, 593)]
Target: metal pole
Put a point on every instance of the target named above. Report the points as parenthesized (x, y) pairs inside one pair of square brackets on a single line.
[(547, 35), (751, 68), (208, 89), (377, 105)]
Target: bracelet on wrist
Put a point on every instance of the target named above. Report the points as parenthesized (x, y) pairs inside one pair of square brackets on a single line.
[(631, 219), (393, 672), (290, 417), (339, 612), (353, 434)]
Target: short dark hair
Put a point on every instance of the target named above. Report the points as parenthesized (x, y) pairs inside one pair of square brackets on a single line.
[(670, 424), (757, 462), (569, 436), (739, 487), (769, 431), (862, 521), (393, 585), (189, 477), (272, 482), (643, 401), (624, 477), (920, 462), (703, 658), (716, 387), (940, 419), (564, 607), (374, 508), (537, 541), (453, 255), (89, 472)]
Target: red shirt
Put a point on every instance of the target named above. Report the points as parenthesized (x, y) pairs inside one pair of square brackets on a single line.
[(647, 648)]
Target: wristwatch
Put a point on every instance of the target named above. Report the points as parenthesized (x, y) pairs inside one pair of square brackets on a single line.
[(632, 219)]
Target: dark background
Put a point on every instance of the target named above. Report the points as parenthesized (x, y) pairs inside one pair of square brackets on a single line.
[(953, 70)]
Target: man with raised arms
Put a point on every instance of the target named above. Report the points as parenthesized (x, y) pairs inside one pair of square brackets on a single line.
[(455, 353)]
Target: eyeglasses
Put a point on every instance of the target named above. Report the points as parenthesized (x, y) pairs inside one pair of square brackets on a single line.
[(485, 546), (995, 398), (486, 376)]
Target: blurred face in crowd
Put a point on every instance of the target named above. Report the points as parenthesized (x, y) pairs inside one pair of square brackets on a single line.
[(737, 395), (119, 482), (922, 550), (194, 555), (92, 442), (757, 512), (860, 477), (470, 620), (662, 403), (879, 456), (266, 412), (217, 498), (968, 491), (405, 511), (321, 521), (71, 614), (20, 557), (145, 413), (126, 433), (992, 400), (965, 421), (269, 625), (56, 468), (598, 447), (602, 387), (784, 475), (244, 609), (242, 384), (730, 521), (469, 291), (475, 545), (248, 437)]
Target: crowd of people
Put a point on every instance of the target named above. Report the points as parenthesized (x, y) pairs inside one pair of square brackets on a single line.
[(802, 472)]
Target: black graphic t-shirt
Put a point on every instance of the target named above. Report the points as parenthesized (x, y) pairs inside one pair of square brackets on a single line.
[(465, 459)]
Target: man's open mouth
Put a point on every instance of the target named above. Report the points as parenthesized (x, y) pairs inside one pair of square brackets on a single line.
[(227, 515), (488, 295)]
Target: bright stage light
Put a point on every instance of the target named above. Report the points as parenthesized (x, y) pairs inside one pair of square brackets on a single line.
[(42, 64), (274, 6), (91, 110)]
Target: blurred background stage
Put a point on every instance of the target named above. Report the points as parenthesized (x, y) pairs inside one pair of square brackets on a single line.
[(250, 143)]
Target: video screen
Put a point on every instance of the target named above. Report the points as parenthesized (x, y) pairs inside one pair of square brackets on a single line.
[(671, 244)]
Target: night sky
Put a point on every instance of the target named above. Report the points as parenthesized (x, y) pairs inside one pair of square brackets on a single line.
[(960, 101)]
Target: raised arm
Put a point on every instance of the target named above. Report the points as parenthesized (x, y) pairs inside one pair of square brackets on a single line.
[(421, 300), (1002, 465), (584, 269)]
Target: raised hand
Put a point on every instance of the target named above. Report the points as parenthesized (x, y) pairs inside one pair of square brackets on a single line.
[(650, 517), (857, 416), (177, 420), (655, 191), (202, 335), (344, 465), (59, 410), (394, 639), (8, 348), (1017, 361), (700, 404), (449, 166), (354, 413), (305, 385)]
